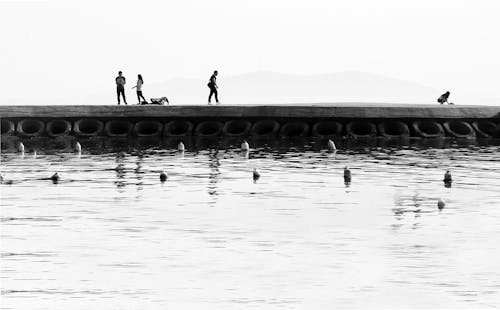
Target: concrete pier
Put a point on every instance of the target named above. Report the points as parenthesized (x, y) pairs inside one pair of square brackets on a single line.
[(304, 111), (354, 120)]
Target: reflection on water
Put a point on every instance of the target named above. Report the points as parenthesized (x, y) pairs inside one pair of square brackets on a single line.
[(110, 235)]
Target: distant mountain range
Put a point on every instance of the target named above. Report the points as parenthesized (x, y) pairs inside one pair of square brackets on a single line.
[(265, 87)]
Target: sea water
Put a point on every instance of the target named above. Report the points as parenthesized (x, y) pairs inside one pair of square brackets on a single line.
[(110, 235)]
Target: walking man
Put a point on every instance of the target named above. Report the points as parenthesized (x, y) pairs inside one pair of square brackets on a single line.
[(120, 87), (212, 84)]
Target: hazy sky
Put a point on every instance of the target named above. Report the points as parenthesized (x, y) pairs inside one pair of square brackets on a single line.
[(60, 49)]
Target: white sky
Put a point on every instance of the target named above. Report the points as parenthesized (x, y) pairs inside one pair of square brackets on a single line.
[(61, 49)]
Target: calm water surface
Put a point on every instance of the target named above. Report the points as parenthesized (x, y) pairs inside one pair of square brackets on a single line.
[(111, 236)]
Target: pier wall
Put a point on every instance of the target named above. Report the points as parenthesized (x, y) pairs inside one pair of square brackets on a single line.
[(318, 120)]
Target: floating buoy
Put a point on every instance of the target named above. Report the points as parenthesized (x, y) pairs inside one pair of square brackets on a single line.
[(245, 146), (78, 147), (21, 148), (440, 204), (180, 147), (163, 176), (256, 174), (447, 177), (331, 145), (347, 175), (55, 178)]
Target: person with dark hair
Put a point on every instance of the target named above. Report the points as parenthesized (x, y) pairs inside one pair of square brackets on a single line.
[(212, 84), (120, 87), (138, 87), (444, 98)]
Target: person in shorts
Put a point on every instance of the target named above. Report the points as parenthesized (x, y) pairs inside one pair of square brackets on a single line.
[(212, 84), (138, 87)]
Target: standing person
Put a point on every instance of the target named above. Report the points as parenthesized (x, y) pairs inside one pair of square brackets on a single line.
[(212, 84), (120, 87), (140, 81)]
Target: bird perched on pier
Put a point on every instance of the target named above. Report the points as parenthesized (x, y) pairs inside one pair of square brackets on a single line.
[(21, 148), (245, 146), (256, 174), (180, 147), (440, 204), (55, 178), (78, 147), (347, 175), (163, 176), (331, 145)]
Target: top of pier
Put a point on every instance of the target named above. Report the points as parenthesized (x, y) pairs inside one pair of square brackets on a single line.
[(322, 110)]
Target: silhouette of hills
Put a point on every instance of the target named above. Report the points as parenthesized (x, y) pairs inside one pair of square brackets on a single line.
[(266, 87)]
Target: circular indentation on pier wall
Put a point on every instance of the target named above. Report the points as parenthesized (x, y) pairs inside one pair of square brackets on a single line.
[(428, 129), (393, 129), (361, 129), (237, 128), (178, 128), (459, 129), (485, 128), (30, 127), (118, 128), (209, 129), (88, 127), (58, 127), (8, 127), (265, 128), (295, 129), (148, 128), (327, 129)]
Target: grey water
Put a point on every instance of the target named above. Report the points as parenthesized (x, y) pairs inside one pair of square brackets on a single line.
[(110, 235)]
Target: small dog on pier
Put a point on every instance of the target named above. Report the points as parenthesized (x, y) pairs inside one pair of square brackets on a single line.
[(159, 101)]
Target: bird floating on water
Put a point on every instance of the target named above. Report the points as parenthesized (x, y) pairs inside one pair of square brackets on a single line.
[(180, 147), (331, 145), (245, 146), (256, 174), (55, 178), (78, 147), (163, 176), (21, 148), (347, 175)]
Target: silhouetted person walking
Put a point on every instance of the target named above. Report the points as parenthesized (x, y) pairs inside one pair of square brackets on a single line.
[(120, 87), (444, 98), (140, 81), (212, 84)]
